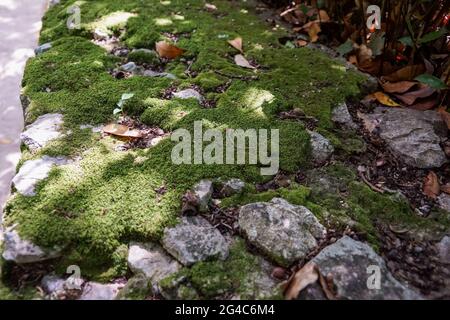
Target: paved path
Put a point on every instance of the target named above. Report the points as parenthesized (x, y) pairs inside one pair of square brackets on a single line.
[(20, 22)]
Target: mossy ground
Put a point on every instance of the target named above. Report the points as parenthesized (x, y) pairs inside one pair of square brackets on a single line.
[(101, 202)]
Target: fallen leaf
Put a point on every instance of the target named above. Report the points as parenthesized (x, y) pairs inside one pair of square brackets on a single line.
[(327, 286), (431, 187), (405, 74), (425, 103), (121, 131), (431, 81), (323, 15), (166, 50), (398, 87), (240, 60), (409, 98), (302, 278), (236, 43), (446, 188), (301, 43), (385, 99), (313, 31)]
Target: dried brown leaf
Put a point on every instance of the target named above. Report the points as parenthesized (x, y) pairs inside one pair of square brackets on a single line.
[(431, 187), (167, 50), (236, 43), (398, 87), (302, 278), (407, 73), (409, 98), (121, 131), (446, 188), (385, 99), (445, 116), (240, 60)]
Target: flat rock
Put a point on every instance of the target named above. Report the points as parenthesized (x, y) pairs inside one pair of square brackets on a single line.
[(99, 291), (33, 171), (443, 200), (45, 129), (129, 67), (347, 262), (154, 74), (284, 232), (232, 186), (322, 149), (412, 135), (194, 240), (203, 191), (52, 284), (152, 261), (22, 251), (444, 250), (341, 116), (188, 94), (42, 48)]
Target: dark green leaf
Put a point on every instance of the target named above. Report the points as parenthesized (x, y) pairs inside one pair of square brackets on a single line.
[(407, 41), (431, 81), (433, 35)]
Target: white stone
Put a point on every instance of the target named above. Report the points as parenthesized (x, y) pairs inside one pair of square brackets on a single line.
[(33, 171), (45, 129), (99, 291), (24, 251), (188, 94)]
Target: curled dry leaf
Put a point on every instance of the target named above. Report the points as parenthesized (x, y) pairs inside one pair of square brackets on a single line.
[(313, 31), (302, 278), (301, 43), (121, 131), (446, 188), (240, 60), (409, 98), (431, 187), (323, 15), (236, 43), (405, 74), (385, 99), (398, 87), (166, 50)]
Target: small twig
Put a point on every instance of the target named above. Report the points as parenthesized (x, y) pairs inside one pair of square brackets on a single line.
[(374, 188)]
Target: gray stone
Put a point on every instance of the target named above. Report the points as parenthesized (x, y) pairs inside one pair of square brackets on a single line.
[(129, 67), (52, 284), (152, 261), (42, 48), (444, 250), (284, 232), (188, 94), (33, 171), (45, 129), (99, 291), (154, 74), (194, 240), (347, 262), (412, 135), (322, 149), (232, 186), (22, 251), (203, 191), (100, 34), (341, 116), (443, 200)]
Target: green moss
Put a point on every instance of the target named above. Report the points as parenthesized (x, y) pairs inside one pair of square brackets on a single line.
[(234, 275), (97, 204), (142, 56)]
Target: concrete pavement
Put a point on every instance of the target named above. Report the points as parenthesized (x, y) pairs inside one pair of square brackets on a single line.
[(20, 23)]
